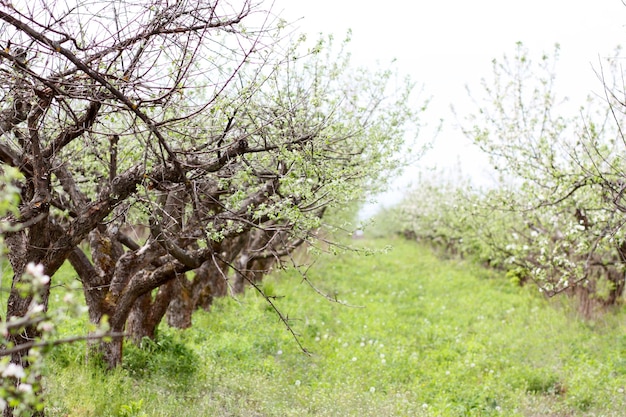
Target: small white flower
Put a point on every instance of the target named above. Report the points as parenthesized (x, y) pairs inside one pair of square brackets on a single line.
[(35, 270), (46, 326), (14, 370), (36, 308), (354, 359), (298, 383), (280, 352), (372, 390), (424, 406), (25, 388)]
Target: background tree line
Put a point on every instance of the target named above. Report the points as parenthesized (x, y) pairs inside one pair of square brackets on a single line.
[(555, 213)]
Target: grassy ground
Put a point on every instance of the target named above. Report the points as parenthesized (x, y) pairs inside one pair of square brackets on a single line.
[(432, 338)]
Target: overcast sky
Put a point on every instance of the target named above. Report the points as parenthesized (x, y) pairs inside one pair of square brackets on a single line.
[(445, 45)]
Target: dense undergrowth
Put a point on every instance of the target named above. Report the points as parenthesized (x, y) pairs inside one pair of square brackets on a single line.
[(426, 338)]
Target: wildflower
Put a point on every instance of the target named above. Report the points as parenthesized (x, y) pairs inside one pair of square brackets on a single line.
[(372, 390), (298, 383)]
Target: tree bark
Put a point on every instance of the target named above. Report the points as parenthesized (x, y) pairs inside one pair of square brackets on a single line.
[(146, 314), (209, 281)]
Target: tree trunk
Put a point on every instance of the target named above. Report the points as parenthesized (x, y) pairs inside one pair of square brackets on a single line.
[(182, 306), (112, 351), (20, 254), (209, 281), (146, 314), (251, 271)]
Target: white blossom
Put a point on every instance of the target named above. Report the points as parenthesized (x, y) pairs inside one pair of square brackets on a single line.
[(25, 388), (13, 370), (35, 270)]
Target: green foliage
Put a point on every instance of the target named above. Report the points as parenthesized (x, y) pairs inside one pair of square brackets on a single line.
[(164, 356), (9, 193), (424, 338), (133, 409)]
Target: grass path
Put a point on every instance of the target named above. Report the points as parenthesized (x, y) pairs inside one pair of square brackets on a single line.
[(430, 338)]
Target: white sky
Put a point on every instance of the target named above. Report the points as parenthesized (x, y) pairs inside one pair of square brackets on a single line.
[(448, 44)]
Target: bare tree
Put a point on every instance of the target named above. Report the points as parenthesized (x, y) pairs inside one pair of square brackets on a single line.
[(223, 143)]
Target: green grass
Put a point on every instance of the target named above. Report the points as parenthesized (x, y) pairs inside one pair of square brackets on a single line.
[(429, 338)]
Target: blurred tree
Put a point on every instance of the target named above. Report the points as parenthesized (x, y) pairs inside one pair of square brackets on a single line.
[(555, 215)]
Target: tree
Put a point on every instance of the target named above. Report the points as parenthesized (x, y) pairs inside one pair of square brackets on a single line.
[(554, 215), (559, 174), (221, 145)]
